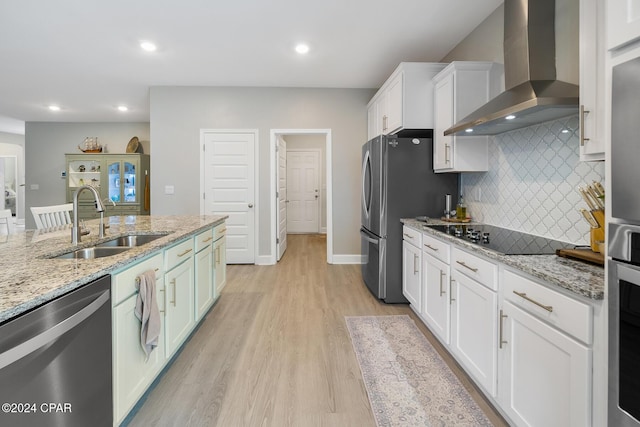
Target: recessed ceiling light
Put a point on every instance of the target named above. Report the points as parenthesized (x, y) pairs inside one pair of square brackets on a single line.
[(123, 108), (302, 48), (468, 130), (510, 117), (54, 108), (148, 46)]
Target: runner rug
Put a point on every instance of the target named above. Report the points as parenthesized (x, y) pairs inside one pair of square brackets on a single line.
[(407, 381)]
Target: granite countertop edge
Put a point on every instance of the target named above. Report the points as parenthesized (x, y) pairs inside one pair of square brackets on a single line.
[(580, 278), (29, 277)]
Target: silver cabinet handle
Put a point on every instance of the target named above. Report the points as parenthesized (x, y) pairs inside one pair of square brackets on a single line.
[(446, 153), (475, 270), (184, 253), (431, 247), (408, 236), (162, 290), (502, 341), (451, 298), (208, 239), (523, 295), (442, 273), (53, 333), (384, 123), (415, 269), (582, 113), (173, 282)]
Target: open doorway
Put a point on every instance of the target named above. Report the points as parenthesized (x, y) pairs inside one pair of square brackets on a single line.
[(306, 147)]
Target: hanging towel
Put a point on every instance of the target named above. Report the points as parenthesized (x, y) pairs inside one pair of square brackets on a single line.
[(147, 311)]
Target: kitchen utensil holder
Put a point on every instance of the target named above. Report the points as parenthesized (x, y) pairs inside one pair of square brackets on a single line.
[(597, 234)]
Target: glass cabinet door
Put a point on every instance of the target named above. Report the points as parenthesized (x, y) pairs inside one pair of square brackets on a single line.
[(129, 183), (122, 181), (114, 181)]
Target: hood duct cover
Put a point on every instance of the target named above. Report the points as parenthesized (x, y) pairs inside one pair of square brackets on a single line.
[(533, 94)]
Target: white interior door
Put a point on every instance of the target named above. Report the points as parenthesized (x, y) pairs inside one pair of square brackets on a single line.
[(303, 191), (229, 189), (282, 196)]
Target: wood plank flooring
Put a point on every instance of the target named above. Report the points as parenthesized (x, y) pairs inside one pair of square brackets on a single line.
[(275, 350)]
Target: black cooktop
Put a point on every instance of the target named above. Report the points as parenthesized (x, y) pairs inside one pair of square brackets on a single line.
[(502, 240)]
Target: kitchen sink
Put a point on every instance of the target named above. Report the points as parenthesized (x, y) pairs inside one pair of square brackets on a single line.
[(93, 252), (130, 241)]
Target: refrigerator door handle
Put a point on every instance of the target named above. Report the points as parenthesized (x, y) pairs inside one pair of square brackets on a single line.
[(368, 238), (366, 198)]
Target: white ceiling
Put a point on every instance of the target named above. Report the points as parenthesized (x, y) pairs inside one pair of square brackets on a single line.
[(84, 55)]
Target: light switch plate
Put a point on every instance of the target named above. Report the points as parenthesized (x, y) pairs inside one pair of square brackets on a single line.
[(169, 189)]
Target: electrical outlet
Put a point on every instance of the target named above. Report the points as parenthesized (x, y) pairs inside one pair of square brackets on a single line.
[(169, 189), (478, 194)]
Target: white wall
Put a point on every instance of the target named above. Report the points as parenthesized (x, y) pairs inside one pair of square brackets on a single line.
[(178, 114), (316, 142), (46, 144)]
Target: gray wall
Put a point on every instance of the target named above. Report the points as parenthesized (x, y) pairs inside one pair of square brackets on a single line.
[(46, 144), (179, 113), (301, 142)]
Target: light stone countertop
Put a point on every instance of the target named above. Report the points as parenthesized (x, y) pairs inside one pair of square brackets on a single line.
[(578, 277), (29, 277)]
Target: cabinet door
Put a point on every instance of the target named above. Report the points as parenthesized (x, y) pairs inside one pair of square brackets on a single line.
[(204, 281), (443, 119), (220, 265), (394, 104), (122, 178), (132, 371), (179, 305), (623, 24), (373, 127), (592, 135), (474, 329), (411, 276), (435, 304), (545, 375)]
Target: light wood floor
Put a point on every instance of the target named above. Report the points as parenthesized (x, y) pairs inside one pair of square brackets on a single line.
[(275, 350)]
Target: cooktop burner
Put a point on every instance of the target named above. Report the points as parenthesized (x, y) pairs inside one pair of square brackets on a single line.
[(502, 240)]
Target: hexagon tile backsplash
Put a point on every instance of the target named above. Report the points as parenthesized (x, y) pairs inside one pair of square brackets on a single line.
[(532, 182)]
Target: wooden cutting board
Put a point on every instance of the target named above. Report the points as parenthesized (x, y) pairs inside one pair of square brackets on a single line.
[(582, 255)]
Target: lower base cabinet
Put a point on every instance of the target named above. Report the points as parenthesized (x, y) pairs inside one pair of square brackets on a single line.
[(436, 307), (220, 258), (180, 300)]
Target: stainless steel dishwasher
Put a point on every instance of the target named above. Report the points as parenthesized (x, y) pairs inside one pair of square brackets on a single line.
[(55, 362)]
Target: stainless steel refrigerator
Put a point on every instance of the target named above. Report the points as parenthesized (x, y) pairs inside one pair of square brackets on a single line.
[(397, 182)]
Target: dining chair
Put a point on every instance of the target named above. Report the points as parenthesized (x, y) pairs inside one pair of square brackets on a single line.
[(7, 218), (52, 216)]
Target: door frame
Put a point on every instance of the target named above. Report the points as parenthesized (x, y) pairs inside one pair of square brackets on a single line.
[(256, 180), (320, 183), (328, 180)]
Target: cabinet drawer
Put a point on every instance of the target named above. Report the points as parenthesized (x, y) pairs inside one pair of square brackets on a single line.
[(436, 248), (203, 240), (475, 267), (177, 254), (219, 231), (123, 284), (412, 236), (571, 316)]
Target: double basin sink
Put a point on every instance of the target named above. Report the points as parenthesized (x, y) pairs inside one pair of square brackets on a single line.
[(111, 247)]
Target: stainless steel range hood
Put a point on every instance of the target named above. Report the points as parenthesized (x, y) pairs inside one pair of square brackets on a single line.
[(533, 94)]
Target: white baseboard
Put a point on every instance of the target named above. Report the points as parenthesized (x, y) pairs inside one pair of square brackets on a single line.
[(265, 260), (348, 259)]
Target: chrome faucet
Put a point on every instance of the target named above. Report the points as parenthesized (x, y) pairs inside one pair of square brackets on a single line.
[(75, 231), (103, 226)]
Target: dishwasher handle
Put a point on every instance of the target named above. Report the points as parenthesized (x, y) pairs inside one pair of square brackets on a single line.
[(32, 344)]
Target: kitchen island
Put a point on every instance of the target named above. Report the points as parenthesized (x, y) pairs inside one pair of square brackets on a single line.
[(30, 275)]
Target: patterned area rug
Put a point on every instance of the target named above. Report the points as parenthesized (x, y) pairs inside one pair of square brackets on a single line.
[(407, 381)]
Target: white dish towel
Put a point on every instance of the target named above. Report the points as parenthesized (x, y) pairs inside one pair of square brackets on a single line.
[(147, 311)]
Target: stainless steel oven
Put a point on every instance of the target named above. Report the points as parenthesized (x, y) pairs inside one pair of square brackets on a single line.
[(624, 325)]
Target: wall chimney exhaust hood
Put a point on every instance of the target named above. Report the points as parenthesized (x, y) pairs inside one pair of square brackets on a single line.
[(533, 94)]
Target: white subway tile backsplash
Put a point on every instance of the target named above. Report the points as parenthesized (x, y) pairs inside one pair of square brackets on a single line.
[(532, 182)]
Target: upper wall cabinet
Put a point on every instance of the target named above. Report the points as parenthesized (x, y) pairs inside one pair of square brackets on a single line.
[(592, 80), (405, 100), (623, 24), (460, 89)]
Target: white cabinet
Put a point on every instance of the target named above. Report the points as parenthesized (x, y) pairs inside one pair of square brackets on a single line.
[(405, 100), (545, 369), (411, 277), (220, 258), (179, 298), (204, 270), (623, 22), (474, 329), (592, 135), (133, 372), (436, 310), (459, 89)]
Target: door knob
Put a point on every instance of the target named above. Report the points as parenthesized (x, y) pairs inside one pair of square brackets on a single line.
[(250, 205)]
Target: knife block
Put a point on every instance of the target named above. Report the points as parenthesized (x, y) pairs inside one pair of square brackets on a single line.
[(597, 234)]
